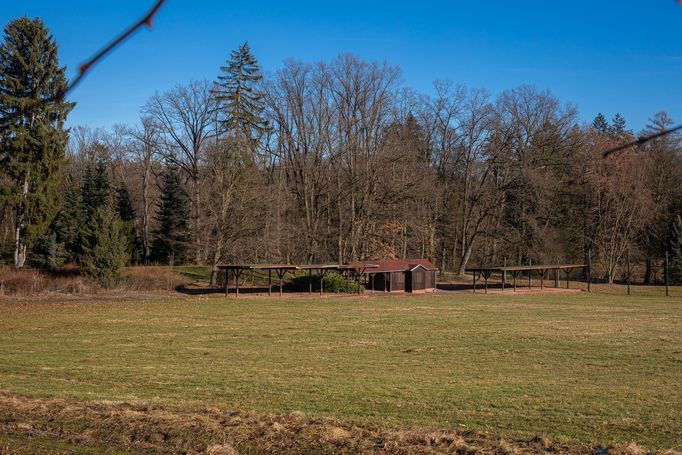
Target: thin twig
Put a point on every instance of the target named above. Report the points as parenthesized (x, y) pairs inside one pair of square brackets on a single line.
[(85, 67), (642, 139)]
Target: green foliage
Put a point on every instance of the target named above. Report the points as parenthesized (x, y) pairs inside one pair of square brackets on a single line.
[(333, 283), (601, 125), (126, 212), (124, 205), (95, 190), (173, 234), (240, 102), (70, 224), (618, 126), (32, 134), (106, 255), (49, 253), (676, 252)]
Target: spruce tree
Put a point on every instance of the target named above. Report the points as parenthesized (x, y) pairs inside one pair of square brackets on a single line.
[(173, 234), (70, 224), (105, 255), (240, 103), (32, 134), (618, 126), (600, 124), (676, 252), (95, 190), (126, 213), (124, 205)]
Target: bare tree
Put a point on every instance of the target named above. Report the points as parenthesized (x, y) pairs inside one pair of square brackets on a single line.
[(185, 120)]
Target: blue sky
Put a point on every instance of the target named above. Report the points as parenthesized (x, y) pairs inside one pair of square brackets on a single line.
[(604, 56)]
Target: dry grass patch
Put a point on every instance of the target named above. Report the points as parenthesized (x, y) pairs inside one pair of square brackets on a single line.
[(155, 430)]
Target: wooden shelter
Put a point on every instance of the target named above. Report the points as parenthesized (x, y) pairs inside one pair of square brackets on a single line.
[(517, 270), (399, 275)]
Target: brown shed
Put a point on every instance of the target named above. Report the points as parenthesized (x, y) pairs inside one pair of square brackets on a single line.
[(399, 275)]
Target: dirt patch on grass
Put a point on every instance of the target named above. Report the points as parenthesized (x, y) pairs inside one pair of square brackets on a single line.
[(153, 429)]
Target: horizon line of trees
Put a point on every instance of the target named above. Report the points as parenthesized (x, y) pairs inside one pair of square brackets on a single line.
[(327, 162)]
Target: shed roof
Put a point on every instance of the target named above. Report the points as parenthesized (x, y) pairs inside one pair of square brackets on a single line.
[(393, 265)]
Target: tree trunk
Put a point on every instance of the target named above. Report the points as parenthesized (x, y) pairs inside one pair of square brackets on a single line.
[(465, 259), (19, 244), (648, 270)]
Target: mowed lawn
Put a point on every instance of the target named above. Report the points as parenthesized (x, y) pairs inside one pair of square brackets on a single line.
[(592, 368)]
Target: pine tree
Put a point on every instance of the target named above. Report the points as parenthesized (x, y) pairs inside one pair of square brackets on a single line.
[(240, 103), (618, 126), (95, 190), (676, 252), (173, 234), (32, 134), (600, 124), (70, 224), (105, 255), (124, 206), (126, 212)]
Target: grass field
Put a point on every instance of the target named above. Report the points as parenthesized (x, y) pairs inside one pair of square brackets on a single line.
[(591, 368)]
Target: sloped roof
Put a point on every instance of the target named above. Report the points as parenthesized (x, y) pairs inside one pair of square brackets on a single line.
[(393, 265)]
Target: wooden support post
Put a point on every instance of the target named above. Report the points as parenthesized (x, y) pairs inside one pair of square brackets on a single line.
[(542, 279), (474, 281), (227, 279), (280, 275), (485, 277), (514, 275), (568, 278), (371, 278), (556, 278), (236, 282), (310, 281), (504, 274)]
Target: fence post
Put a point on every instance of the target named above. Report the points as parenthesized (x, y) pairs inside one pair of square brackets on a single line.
[(666, 271), (504, 274)]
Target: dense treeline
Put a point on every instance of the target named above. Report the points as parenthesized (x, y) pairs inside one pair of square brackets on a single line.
[(338, 161)]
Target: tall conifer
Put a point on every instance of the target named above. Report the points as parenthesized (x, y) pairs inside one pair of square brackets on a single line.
[(173, 235), (240, 102), (32, 133)]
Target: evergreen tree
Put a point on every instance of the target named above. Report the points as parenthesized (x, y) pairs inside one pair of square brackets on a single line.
[(676, 252), (618, 126), (105, 255), (173, 234), (240, 103), (600, 124), (95, 190), (32, 133), (126, 212), (70, 224), (124, 206)]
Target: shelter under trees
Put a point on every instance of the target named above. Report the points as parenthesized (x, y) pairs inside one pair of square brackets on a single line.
[(334, 162)]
